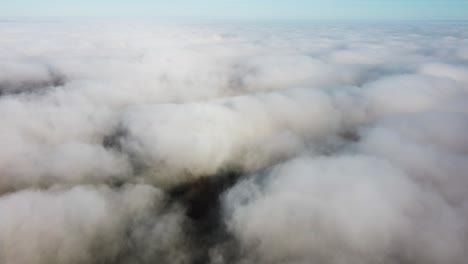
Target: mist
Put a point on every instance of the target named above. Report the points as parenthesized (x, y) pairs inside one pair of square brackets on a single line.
[(146, 142)]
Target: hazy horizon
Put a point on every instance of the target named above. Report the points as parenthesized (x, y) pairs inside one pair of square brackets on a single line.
[(241, 10)]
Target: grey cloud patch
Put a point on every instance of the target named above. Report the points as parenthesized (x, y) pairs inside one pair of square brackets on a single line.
[(324, 142), (14, 78)]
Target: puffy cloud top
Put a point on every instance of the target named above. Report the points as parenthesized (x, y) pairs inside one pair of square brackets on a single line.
[(349, 140)]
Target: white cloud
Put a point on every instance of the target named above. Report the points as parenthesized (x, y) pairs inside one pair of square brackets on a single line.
[(350, 138)]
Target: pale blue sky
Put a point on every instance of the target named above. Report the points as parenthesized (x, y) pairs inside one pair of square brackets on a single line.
[(243, 9)]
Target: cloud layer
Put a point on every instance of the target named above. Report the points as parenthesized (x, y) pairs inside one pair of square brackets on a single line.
[(345, 143)]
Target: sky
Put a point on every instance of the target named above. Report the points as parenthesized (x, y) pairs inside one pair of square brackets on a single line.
[(240, 9)]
